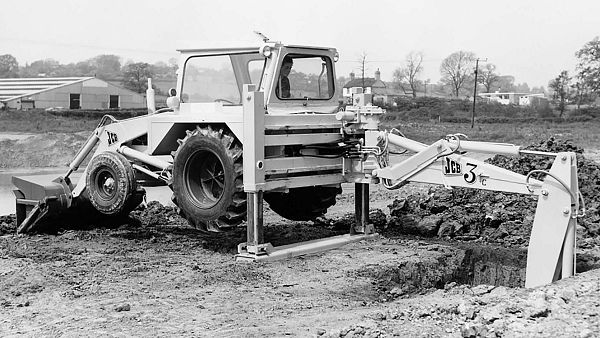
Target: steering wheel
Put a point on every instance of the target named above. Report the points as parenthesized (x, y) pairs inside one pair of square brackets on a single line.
[(223, 100)]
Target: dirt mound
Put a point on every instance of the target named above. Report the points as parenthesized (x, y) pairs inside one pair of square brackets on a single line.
[(154, 213), (494, 217), (8, 224), (41, 150)]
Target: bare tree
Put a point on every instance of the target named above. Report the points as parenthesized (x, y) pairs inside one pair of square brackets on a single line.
[(409, 72), (399, 79), (488, 76), (457, 69), (362, 60)]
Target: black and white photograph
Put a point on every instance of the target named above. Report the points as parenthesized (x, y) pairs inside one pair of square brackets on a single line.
[(300, 168)]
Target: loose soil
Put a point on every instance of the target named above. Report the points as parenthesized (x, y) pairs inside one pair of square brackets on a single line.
[(152, 275)]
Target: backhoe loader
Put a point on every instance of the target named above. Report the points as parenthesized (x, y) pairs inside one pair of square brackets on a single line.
[(239, 131)]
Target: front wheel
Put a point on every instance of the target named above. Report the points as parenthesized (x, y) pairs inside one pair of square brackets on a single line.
[(111, 184)]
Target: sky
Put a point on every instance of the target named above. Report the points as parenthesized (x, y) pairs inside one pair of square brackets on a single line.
[(530, 40)]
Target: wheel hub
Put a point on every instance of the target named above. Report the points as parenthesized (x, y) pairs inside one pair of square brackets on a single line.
[(106, 184), (109, 186), (206, 179)]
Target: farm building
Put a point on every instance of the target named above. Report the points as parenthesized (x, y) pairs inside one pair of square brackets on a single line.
[(521, 99), (383, 93), (66, 92)]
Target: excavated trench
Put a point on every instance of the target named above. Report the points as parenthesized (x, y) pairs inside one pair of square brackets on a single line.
[(439, 265)]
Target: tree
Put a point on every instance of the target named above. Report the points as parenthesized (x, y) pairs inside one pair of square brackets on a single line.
[(362, 60), (456, 70), (538, 90), (106, 66), (163, 70), (580, 92), (588, 65), (409, 72), (560, 85), (488, 76), (85, 68), (46, 67), (9, 67), (522, 88), (135, 76), (506, 84), (398, 80)]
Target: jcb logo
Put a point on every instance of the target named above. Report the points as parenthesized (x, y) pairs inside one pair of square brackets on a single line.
[(112, 137), (451, 167)]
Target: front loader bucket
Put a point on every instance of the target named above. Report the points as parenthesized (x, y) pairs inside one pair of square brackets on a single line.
[(39, 198)]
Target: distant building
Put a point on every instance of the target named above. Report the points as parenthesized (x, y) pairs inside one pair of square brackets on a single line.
[(66, 92), (521, 99), (382, 92)]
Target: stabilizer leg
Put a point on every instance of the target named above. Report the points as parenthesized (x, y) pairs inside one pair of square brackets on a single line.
[(551, 252), (361, 210)]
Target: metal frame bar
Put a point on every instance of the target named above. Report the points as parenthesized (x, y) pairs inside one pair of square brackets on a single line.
[(255, 167)]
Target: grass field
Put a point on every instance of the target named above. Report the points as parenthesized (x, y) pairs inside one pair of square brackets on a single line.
[(39, 121), (584, 134)]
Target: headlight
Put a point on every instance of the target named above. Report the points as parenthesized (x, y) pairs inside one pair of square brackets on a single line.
[(266, 51)]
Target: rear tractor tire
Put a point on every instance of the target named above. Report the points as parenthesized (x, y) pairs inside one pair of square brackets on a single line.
[(303, 204), (111, 185), (207, 179)]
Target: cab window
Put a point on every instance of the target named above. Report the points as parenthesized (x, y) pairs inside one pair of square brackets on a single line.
[(209, 79), (304, 77)]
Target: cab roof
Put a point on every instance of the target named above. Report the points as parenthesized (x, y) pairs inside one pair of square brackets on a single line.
[(226, 48)]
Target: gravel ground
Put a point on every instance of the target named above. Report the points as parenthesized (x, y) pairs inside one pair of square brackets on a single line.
[(152, 275)]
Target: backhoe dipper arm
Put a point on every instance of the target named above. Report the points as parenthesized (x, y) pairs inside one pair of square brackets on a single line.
[(551, 252)]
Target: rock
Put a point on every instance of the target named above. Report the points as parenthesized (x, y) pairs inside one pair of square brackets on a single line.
[(482, 289), (378, 218), (499, 291), (467, 311), (446, 229), (557, 304), (473, 330), (430, 225), (490, 315), (399, 207), (538, 308), (321, 332), (123, 307), (567, 294), (449, 286)]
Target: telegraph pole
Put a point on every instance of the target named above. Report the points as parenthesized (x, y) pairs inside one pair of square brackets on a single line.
[(475, 90)]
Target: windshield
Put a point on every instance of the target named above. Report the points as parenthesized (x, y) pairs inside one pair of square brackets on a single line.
[(304, 77)]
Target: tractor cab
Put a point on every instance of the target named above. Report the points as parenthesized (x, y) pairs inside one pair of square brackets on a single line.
[(295, 79)]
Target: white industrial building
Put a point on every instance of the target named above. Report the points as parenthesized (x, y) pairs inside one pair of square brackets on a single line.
[(66, 92)]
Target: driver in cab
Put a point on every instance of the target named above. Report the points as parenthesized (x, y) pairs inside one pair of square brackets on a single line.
[(284, 82)]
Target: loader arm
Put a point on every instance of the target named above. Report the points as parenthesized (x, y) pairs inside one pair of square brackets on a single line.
[(112, 137)]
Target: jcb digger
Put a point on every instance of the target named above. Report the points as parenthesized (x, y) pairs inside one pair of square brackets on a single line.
[(241, 129)]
